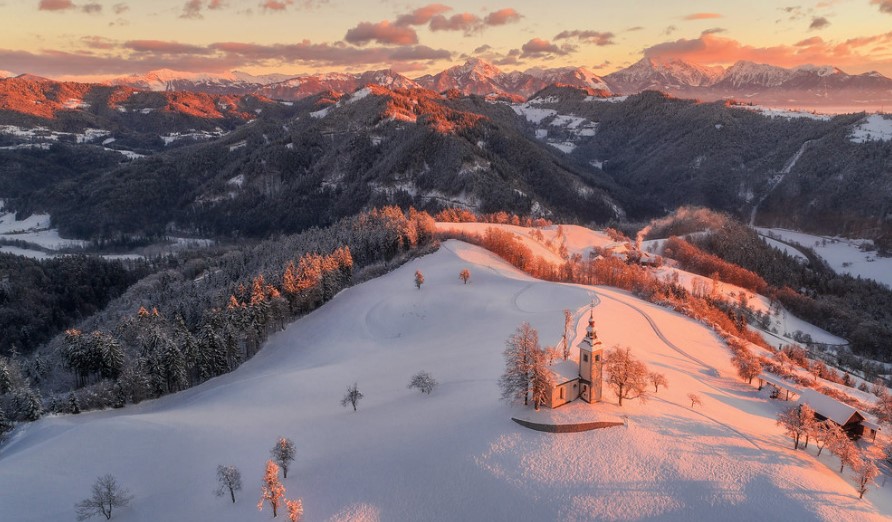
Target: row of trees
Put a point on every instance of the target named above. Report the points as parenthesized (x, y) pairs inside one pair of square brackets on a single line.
[(800, 422)]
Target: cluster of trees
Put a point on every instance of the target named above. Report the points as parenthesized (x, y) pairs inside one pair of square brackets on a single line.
[(695, 260), (856, 309), (461, 215), (203, 315), (40, 298), (800, 422)]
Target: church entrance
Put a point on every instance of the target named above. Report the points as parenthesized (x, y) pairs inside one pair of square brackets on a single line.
[(584, 393)]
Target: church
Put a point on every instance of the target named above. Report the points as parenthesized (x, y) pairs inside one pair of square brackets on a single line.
[(582, 378)]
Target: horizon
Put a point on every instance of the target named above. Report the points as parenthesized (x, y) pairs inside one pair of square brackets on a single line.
[(97, 40)]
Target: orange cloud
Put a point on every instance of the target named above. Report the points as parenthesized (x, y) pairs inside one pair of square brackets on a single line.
[(885, 5), (502, 17), (711, 48), (596, 37), (55, 5), (538, 48), (383, 32), (702, 16), (459, 22), (422, 15)]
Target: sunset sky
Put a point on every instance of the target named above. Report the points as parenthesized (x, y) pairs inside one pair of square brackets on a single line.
[(101, 38)]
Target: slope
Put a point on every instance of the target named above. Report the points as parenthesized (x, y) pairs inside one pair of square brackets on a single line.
[(455, 454)]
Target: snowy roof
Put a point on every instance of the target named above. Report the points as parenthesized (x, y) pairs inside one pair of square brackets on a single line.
[(777, 382), (834, 410), (565, 371)]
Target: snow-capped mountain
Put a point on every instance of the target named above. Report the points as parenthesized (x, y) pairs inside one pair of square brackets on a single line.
[(477, 76), (648, 74), (305, 86), (235, 82)]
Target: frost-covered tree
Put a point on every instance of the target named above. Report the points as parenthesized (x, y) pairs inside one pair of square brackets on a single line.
[(845, 450), (695, 399), (520, 350), (419, 279), (5, 379), (865, 472), (295, 509), (797, 421), (106, 496), (271, 489), (826, 432), (423, 381), (5, 424), (747, 364), (625, 374), (657, 379), (464, 275), (568, 324), (352, 397), (541, 380), (229, 479), (74, 406), (283, 454)]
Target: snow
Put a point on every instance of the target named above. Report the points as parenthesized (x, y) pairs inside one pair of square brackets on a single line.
[(238, 145), (784, 113), (843, 255), (533, 114), (33, 229), (360, 94), (108, 141), (565, 146), (453, 455), (783, 247), (875, 127), (238, 181), (25, 252), (321, 113), (611, 99)]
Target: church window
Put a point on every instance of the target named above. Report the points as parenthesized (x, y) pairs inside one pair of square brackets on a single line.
[(585, 357)]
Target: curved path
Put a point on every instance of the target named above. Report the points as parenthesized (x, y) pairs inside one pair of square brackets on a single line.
[(567, 428)]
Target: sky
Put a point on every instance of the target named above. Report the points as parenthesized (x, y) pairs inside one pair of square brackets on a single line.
[(93, 39)]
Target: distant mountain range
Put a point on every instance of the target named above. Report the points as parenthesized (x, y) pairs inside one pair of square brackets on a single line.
[(803, 86)]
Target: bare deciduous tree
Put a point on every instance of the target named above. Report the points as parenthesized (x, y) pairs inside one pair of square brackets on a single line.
[(229, 479), (568, 323), (520, 350), (295, 509), (419, 279), (657, 380), (748, 366), (352, 396), (464, 275), (625, 374), (283, 453), (695, 399), (423, 381), (865, 473), (271, 490), (107, 496), (797, 421)]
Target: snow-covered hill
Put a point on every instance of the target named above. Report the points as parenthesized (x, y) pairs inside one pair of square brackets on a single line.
[(454, 455)]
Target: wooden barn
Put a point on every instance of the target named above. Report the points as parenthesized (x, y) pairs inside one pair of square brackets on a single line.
[(853, 421)]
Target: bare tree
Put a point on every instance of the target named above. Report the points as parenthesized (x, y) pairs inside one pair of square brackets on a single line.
[(271, 490), (568, 323), (826, 433), (748, 365), (541, 380), (107, 496), (295, 509), (283, 453), (657, 380), (519, 353), (419, 279), (352, 397), (423, 381), (797, 421), (464, 275), (846, 450), (865, 473), (625, 374), (695, 399), (229, 479)]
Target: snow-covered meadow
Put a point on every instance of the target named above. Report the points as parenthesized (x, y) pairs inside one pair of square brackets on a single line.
[(453, 455)]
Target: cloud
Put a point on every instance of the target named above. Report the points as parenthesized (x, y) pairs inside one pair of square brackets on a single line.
[(884, 5), (98, 42), (466, 22), (818, 22), (702, 16), (595, 37), (539, 48), (502, 17), (92, 8), (635, 28), (669, 30), (276, 5), (711, 48), (714, 30), (382, 32), (163, 47), (192, 8), (55, 5), (422, 15), (120, 8), (483, 48)]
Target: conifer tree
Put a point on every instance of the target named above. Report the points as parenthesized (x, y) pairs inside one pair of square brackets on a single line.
[(73, 405)]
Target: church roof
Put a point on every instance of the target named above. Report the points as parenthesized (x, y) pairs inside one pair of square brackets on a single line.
[(564, 371)]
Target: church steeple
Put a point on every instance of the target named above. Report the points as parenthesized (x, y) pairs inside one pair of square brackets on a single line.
[(591, 336), (590, 362)]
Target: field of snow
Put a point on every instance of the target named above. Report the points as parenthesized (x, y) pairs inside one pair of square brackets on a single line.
[(843, 255), (875, 127), (453, 455), (33, 229)]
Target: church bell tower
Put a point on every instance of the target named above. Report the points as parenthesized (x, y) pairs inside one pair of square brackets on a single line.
[(591, 363)]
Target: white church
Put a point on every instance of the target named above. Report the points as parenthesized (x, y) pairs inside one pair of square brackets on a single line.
[(582, 378)]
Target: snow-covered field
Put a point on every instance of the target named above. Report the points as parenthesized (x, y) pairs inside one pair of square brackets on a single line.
[(843, 255), (875, 127), (454, 455), (34, 229)]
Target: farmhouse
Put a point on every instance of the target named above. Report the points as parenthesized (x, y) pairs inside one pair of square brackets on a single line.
[(854, 422), (582, 378)]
